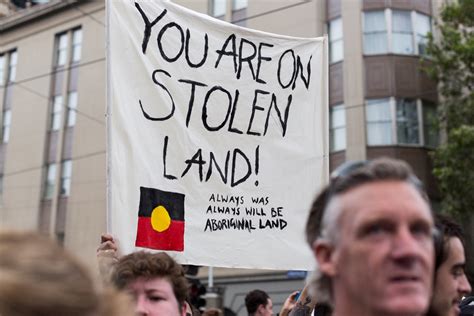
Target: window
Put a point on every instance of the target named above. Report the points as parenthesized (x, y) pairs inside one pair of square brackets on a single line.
[(395, 31), (76, 45), (7, 120), (50, 180), (218, 8), (337, 128), (401, 121), (239, 12), (66, 178), (379, 122), (423, 27), (336, 46), (430, 130), (239, 4), (56, 112), (402, 34), (2, 70), (375, 33), (407, 122), (12, 66), (71, 109), (62, 43)]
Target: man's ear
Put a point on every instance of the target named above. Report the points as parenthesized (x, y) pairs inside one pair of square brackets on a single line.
[(325, 256), (260, 310)]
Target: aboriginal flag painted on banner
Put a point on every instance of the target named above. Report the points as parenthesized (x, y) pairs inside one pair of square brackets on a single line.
[(160, 220)]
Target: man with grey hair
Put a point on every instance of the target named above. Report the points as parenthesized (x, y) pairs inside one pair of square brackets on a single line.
[(371, 231)]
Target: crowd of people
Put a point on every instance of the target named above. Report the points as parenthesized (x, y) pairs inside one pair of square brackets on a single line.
[(379, 249)]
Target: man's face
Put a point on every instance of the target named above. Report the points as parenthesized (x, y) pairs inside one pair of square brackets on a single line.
[(451, 283), (154, 297), (382, 261)]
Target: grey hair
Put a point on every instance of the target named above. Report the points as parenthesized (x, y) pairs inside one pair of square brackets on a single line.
[(326, 211)]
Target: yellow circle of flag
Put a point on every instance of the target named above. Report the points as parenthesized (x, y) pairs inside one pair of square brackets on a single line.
[(160, 219)]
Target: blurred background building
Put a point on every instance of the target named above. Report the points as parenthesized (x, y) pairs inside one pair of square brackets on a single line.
[(53, 105)]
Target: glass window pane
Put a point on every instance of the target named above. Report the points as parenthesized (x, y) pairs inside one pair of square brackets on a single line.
[(402, 43), (62, 49), (76, 45), (423, 24), (423, 27), (401, 21), (374, 21), (76, 53), (7, 117), (218, 8), (337, 128), (12, 66), (335, 29), (375, 33), (62, 54), (379, 134), (338, 139), (62, 41), (239, 4), (407, 122), (375, 43), (337, 51), (50, 179), (379, 122), (402, 37), (72, 106), (77, 37), (66, 177), (56, 113), (336, 47), (378, 110), (338, 116), (2, 70)]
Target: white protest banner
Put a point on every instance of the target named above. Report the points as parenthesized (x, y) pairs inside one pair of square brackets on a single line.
[(217, 137)]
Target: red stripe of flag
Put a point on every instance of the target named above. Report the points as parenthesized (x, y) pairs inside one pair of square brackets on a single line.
[(170, 239)]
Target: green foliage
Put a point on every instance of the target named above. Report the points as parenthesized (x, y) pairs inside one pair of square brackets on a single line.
[(454, 168), (452, 66)]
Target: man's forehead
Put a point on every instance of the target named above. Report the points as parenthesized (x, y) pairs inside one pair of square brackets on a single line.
[(455, 250), (392, 200)]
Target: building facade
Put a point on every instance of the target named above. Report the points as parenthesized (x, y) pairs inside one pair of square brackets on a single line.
[(53, 101)]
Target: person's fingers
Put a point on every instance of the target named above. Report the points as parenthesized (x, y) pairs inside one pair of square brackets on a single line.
[(106, 237), (107, 246)]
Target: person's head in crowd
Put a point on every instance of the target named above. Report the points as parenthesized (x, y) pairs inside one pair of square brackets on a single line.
[(40, 278), (450, 281), (258, 303), (155, 281), (371, 230)]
